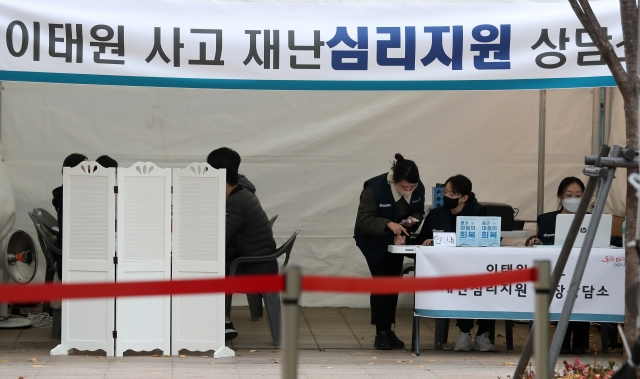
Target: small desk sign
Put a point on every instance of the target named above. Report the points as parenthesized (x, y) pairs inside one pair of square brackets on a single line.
[(478, 231), (444, 239)]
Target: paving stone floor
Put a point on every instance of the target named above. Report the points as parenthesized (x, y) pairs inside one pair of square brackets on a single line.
[(334, 343)]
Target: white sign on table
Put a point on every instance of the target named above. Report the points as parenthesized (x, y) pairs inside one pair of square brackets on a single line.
[(444, 239), (600, 296)]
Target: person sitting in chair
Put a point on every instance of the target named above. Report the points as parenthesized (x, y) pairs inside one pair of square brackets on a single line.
[(71, 161), (227, 154), (248, 233)]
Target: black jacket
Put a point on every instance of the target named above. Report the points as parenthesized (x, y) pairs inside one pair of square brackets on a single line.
[(377, 208), (248, 233), (441, 219), (57, 204), (547, 227)]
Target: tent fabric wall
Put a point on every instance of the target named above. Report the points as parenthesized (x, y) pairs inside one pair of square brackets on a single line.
[(307, 152)]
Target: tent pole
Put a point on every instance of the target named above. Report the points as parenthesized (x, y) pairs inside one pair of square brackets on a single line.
[(542, 123), (565, 251), (608, 175)]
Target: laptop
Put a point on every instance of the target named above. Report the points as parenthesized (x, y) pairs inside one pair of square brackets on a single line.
[(603, 234)]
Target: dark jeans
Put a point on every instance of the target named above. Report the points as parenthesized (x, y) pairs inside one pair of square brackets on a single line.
[(58, 258), (383, 307), (580, 331), (466, 324)]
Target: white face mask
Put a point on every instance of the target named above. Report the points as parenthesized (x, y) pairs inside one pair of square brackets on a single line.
[(404, 193), (571, 204)]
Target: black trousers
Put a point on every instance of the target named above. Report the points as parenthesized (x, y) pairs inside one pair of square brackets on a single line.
[(580, 331), (383, 307)]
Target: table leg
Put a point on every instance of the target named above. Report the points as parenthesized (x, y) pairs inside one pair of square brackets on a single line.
[(508, 326), (416, 326)]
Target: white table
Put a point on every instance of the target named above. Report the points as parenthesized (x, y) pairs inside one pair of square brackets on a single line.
[(600, 297)]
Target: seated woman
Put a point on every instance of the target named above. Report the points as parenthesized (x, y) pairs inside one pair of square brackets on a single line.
[(569, 194), (459, 200)]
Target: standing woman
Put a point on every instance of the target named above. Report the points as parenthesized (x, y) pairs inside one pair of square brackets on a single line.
[(569, 194), (459, 200), (391, 205)]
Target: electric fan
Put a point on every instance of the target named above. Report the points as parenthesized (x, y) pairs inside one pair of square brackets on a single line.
[(19, 262)]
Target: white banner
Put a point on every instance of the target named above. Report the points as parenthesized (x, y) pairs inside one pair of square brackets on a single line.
[(600, 296), (199, 44)]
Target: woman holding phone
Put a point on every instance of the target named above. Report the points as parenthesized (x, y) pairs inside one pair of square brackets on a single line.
[(391, 205)]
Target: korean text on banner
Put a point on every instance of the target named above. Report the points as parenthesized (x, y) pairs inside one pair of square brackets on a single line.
[(199, 44)]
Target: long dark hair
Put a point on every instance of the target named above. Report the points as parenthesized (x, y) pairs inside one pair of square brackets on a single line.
[(462, 186), (404, 169), (564, 184)]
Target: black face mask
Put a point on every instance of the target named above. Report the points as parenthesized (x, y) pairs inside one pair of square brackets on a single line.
[(450, 203)]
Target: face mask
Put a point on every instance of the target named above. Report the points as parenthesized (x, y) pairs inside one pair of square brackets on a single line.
[(450, 203), (571, 204), (404, 193)]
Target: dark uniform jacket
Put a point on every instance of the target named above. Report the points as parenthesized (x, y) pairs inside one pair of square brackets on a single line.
[(547, 227), (248, 233), (441, 219), (377, 208)]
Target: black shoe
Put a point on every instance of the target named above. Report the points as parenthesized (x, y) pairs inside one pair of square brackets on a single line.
[(396, 343), (229, 331), (383, 340)]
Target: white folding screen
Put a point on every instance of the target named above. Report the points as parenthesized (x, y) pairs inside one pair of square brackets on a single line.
[(145, 241), (88, 246), (199, 199), (144, 254)]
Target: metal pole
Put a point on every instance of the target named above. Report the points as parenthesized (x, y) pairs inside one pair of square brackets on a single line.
[(564, 256), (290, 321), (542, 122), (543, 290), (582, 262)]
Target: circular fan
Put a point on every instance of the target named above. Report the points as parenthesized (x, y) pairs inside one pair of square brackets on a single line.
[(20, 257), (18, 261)]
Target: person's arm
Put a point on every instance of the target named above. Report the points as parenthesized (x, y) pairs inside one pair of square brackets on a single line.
[(535, 240), (235, 220), (367, 219), (426, 233), (419, 215)]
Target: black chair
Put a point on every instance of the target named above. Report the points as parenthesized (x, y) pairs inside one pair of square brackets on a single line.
[(273, 220), (47, 220), (56, 325), (271, 300), (255, 300), (41, 217)]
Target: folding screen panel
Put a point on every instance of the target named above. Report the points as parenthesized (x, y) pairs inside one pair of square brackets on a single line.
[(88, 245), (199, 199), (144, 254)]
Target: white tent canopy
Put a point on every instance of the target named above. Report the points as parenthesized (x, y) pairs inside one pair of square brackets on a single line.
[(307, 152)]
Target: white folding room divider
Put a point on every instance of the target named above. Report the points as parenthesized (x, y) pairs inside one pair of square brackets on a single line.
[(144, 254), (199, 201), (88, 246)]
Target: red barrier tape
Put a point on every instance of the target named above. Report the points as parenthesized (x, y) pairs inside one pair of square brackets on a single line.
[(393, 285), (16, 293)]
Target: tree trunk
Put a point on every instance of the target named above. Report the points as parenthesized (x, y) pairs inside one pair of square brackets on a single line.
[(631, 258)]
